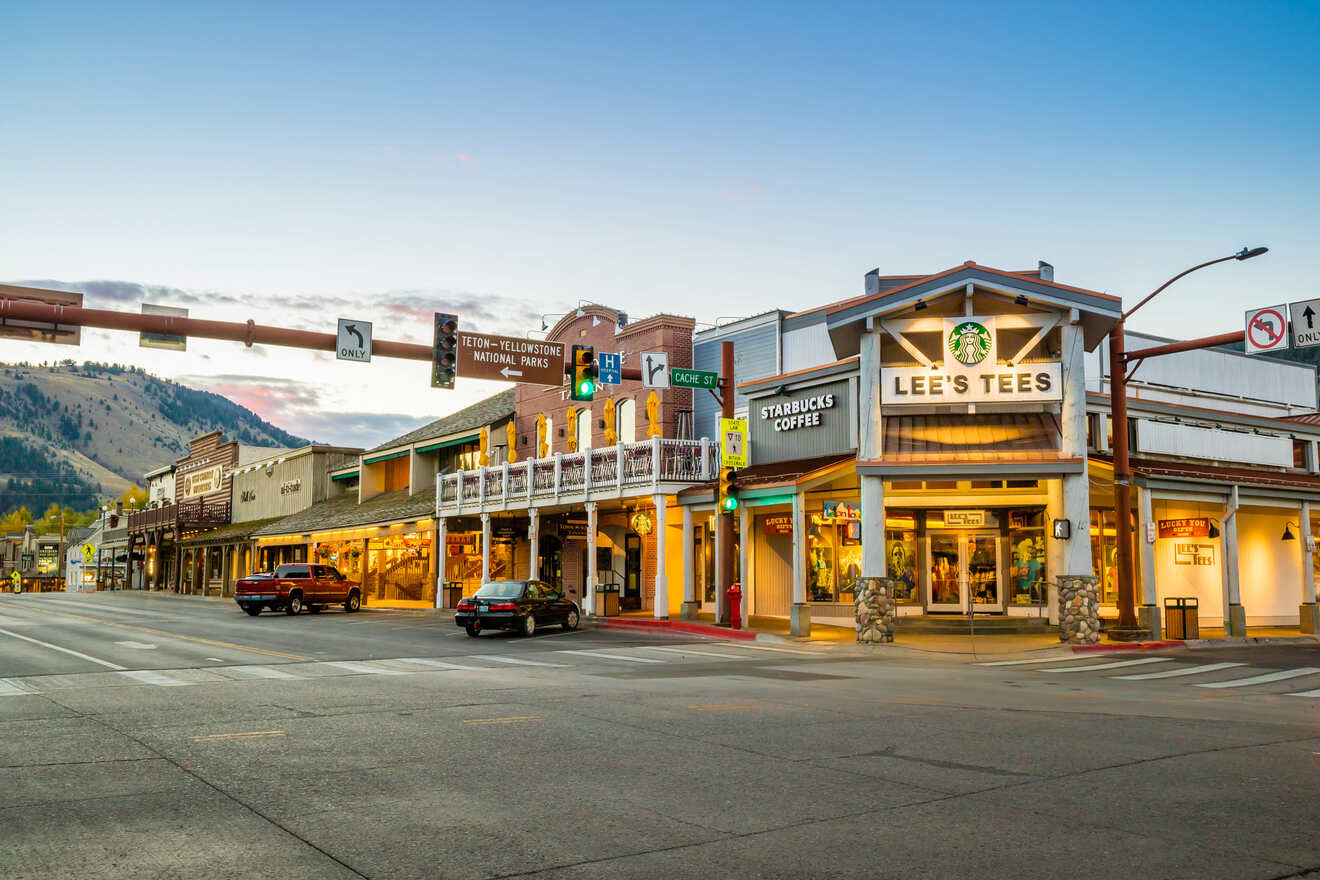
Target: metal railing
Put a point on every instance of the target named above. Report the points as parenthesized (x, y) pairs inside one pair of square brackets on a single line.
[(185, 514), (598, 472)]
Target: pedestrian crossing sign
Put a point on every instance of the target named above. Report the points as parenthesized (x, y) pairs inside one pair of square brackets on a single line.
[(89, 552), (17, 579)]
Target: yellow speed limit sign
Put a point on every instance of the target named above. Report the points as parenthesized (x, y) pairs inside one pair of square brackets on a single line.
[(733, 443)]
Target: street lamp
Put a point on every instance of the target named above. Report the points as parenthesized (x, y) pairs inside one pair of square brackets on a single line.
[(1128, 628), (62, 565)]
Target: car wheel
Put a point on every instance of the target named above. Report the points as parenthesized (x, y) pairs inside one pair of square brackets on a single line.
[(354, 602), (294, 605), (571, 620), (254, 610), (529, 625), (472, 631)]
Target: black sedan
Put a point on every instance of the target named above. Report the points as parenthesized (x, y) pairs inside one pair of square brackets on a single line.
[(518, 605)]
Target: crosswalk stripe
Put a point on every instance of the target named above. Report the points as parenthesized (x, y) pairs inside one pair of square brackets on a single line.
[(266, 672), (69, 651), (779, 650), (9, 689), (1117, 664), (364, 668), (1057, 659), (612, 656), (699, 653), (1281, 675), (497, 658), (1312, 694), (148, 676), (1176, 673), (441, 664)]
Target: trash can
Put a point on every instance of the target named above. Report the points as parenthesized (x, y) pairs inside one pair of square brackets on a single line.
[(1182, 618), (453, 593), (607, 600)]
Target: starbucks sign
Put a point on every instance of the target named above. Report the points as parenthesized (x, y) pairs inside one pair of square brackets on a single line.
[(969, 343)]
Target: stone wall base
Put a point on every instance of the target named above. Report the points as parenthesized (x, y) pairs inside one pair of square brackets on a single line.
[(799, 620)]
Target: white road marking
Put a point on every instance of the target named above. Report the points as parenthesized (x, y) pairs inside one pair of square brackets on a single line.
[(98, 606), (364, 668), (1312, 694), (266, 672), (9, 689), (441, 664), (1056, 659), (147, 676), (1281, 675), (1175, 673), (610, 656), (141, 646), (216, 659), (81, 656), (780, 650), (497, 658), (1117, 664), (700, 653)]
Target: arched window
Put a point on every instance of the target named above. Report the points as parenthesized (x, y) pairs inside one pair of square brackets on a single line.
[(625, 420), (584, 430)]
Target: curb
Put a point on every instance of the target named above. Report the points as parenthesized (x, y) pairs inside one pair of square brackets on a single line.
[(718, 632), (1130, 646)]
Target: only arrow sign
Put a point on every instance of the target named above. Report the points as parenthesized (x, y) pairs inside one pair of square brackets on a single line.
[(1309, 315), (352, 328)]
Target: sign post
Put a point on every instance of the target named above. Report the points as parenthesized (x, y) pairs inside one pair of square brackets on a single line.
[(510, 359), (353, 341), (1267, 330)]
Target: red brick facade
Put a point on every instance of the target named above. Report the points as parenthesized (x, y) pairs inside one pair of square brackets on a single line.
[(667, 333)]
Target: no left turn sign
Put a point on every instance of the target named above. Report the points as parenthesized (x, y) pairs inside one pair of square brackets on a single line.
[(1267, 329)]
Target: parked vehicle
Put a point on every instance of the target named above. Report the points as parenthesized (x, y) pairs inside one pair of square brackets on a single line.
[(518, 605), (297, 586)]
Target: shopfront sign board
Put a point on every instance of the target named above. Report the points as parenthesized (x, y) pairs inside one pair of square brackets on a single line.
[(1305, 320), (955, 519), (733, 443), (573, 529), (684, 378), (655, 369), (1191, 553), (609, 368), (971, 372), (202, 482), (510, 359), (1187, 527), (777, 525), (353, 341), (168, 341), (1267, 330)]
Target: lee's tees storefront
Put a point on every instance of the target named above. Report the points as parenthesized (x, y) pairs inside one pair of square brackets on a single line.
[(957, 442)]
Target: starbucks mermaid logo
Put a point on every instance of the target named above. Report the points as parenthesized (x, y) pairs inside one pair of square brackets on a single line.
[(969, 343)]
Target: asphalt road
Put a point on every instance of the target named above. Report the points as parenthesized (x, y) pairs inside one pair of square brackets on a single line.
[(150, 736)]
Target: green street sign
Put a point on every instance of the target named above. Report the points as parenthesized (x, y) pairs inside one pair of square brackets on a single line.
[(681, 378)]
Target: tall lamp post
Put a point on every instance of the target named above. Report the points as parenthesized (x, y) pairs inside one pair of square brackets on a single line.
[(62, 566), (1128, 628)]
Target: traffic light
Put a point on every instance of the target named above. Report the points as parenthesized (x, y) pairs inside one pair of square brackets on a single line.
[(584, 373), (444, 355), (728, 493)]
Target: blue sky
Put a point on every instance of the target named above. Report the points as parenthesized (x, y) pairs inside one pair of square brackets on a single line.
[(281, 161)]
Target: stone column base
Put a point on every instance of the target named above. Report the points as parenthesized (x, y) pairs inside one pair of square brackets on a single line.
[(1236, 625), (1079, 609), (1148, 618), (1310, 617), (875, 611), (689, 610), (799, 620)]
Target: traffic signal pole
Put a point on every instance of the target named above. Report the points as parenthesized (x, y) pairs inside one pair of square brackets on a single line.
[(724, 520)]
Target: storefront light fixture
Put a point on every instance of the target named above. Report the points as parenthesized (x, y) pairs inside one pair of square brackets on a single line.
[(919, 306), (1020, 301), (1287, 531)]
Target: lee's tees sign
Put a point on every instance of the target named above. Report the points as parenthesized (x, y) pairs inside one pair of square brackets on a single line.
[(971, 372)]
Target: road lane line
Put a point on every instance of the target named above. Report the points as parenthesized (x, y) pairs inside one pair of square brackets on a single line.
[(364, 668), (1176, 673), (215, 736), (78, 654), (610, 656), (266, 672), (9, 689), (1058, 659), (1312, 694), (441, 664), (725, 707), (1117, 664), (516, 719), (701, 653), (1281, 675), (780, 650), (148, 676), (497, 658)]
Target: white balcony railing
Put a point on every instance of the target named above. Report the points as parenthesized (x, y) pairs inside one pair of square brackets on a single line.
[(612, 471)]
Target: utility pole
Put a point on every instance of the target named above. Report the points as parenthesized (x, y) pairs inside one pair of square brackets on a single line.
[(724, 520)]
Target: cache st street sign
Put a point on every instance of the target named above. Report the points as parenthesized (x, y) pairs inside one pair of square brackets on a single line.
[(510, 359), (680, 377), (1267, 330), (1305, 323), (353, 341)]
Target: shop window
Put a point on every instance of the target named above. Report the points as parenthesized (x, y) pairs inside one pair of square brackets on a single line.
[(834, 553), (901, 557), (398, 567), (1104, 554), (1092, 430), (345, 556), (1026, 545), (396, 474), (1300, 455)]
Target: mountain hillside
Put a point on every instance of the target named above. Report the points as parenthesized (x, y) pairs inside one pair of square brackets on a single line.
[(72, 432)]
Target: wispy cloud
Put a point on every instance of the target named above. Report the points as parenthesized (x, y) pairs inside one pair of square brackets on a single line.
[(114, 292), (466, 158)]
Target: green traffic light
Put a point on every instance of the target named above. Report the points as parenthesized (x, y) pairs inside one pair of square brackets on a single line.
[(586, 386), (730, 503)]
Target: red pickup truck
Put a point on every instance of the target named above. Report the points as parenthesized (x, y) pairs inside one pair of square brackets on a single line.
[(295, 587)]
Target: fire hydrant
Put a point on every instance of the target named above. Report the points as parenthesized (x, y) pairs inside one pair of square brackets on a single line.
[(735, 607)]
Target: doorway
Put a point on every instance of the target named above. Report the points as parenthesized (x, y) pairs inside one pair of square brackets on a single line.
[(632, 573), (550, 558), (964, 568)]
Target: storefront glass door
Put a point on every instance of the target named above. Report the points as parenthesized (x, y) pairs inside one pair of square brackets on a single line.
[(964, 567)]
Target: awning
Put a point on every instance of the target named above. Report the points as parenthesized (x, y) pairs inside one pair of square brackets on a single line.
[(982, 443), (770, 476), (235, 533), (1154, 468)]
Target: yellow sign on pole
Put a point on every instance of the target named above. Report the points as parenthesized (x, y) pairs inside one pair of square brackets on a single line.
[(89, 552), (733, 443), (17, 580)]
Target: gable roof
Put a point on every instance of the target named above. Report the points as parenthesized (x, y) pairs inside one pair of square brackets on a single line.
[(483, 412)]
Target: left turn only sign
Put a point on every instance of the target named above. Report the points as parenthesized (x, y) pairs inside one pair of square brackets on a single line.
[(353, 342)]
